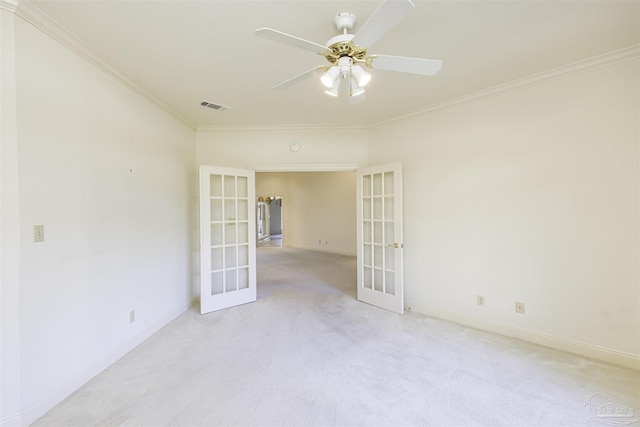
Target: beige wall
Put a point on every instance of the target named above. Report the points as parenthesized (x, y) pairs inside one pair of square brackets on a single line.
[(319, 208), (111, 177), (529, 195), (310, 197), (243, 148), (533, 196)]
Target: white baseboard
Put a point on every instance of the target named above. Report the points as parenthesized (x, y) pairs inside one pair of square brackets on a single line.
[(36, 410), (13, 420), (320, 249), (583, 349)]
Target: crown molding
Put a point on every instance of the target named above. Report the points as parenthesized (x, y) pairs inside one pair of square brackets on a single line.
[(31, 14), (34, 16), (309, 127), (607, 59), (10, 5), (305, 167)]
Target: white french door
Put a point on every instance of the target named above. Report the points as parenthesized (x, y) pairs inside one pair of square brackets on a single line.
[(379, 234), (227, 238)]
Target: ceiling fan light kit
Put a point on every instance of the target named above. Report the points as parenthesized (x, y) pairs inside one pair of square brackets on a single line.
[(330, 76), (361, 76), (355, 88), (335, 88), (346, 54)]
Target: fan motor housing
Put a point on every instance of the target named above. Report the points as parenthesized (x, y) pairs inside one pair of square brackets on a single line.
[(340, 46)]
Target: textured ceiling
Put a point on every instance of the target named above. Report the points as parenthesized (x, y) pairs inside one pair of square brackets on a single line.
[(184, 52)]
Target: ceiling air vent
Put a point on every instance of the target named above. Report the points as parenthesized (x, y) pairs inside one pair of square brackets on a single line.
[(214, 106)]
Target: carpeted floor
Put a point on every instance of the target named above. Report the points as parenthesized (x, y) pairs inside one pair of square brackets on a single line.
[(308, 354)]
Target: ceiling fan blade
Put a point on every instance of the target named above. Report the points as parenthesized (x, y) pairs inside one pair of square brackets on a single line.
[(404, 64), (388, 14), (300, 77), (280, 37)]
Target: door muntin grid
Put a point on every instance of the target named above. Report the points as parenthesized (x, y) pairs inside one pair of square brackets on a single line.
[(378, 233), (229, 224)]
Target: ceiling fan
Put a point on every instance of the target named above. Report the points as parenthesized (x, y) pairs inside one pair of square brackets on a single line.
[(347, 53)]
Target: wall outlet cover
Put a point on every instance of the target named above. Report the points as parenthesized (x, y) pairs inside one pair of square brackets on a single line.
[(38, 233)]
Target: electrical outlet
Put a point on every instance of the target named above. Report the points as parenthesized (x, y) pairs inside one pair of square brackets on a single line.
[(38, 233), (480, 300), (132, 316), (519, 307)]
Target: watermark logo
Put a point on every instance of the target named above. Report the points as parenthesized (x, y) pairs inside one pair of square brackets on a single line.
[(610, 412)]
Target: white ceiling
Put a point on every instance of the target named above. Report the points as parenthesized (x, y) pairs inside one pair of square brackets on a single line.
[(184, 52)]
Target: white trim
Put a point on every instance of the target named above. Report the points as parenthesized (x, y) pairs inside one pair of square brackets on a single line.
[(283, 127), (301, 167), (621, 55), (583, 349), (12, 420), (34, 16), (10, 5)]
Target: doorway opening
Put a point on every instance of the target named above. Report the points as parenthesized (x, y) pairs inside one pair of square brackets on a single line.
[(269, 221)]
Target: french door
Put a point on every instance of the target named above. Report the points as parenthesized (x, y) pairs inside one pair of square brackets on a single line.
[(227, 238), (379, 234)]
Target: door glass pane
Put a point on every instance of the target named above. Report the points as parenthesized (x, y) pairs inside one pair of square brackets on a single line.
[(389, 283), (366, 208), (242, 187), (366, 232), (243, 255), (230, 257), (229, 209), (216, 210), (216, 283), (389, 258), (216, 234), (243, 278), (367, 254), (377, 208), (230, 233), (216, 259), (377, 184), (229, 186), (366, 185), (243, 232), (215, 185), (377, 280), (377, 232), (367, 277), (377, 256), (388, 207), (230, 280), (243, 210), (388, 233), (388, 183)]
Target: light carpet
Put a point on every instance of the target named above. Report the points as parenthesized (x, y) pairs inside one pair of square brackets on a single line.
[(308, 354)]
